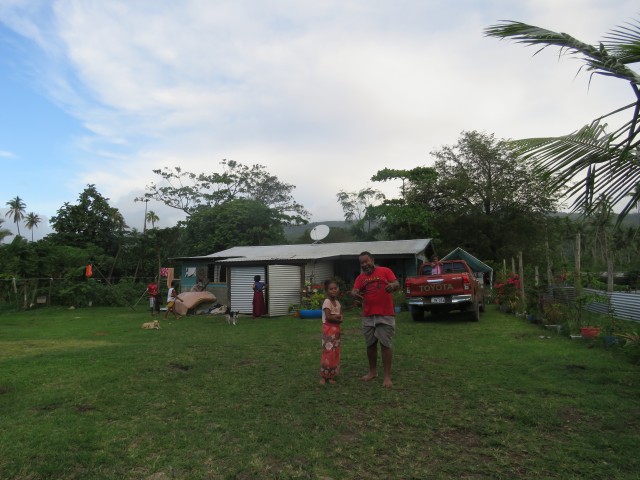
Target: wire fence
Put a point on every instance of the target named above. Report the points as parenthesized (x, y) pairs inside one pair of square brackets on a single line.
[(25, 293), (625, 305)]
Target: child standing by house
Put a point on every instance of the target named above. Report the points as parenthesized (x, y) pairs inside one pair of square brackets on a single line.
[(331, 320), (171, 302)]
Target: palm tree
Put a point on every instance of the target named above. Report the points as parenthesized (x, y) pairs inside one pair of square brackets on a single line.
[(32, 220), (635, 194), (608, 162), (152, 218), (3, 231), (16, 210)]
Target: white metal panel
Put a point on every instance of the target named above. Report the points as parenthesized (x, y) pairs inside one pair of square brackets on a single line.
[(318, 271), (283, 288), (241, 281)]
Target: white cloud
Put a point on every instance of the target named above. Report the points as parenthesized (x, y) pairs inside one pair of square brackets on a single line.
[(324, 94)]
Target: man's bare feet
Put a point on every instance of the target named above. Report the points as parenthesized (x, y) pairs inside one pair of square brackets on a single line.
[(332, 381), (387, 383), (369, 376), (322, 381)]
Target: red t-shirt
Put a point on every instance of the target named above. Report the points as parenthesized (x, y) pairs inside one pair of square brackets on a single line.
[(377, 301), (153, 289)]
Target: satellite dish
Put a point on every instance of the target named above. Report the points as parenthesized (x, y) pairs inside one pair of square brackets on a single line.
[(319, 232)]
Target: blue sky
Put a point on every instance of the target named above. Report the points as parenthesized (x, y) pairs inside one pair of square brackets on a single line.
[(324, 94)]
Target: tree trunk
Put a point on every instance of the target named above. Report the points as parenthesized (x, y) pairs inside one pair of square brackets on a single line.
[(549, 269), (523, 300), (576, 281)]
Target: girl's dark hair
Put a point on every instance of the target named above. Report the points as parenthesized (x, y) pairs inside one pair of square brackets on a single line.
[(256, 278), (328, 282)]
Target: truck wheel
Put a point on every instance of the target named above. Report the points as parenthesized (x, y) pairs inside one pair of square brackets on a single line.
[(417, 313), (475, 311)]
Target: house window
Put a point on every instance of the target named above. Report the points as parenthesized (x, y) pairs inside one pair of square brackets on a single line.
[(217, 273)]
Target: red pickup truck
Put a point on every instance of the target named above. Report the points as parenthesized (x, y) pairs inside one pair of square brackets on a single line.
[(454, 287)]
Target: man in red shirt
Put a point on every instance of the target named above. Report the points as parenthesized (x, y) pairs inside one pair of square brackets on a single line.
[(152, 289), (374, 287)]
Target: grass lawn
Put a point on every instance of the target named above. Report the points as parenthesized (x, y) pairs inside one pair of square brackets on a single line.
[(88, 394)]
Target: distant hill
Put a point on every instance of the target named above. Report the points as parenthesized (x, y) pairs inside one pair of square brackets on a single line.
[(295, 231)]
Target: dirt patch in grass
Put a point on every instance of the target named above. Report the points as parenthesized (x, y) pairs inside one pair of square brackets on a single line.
[(571, 416), (84, 408), (573, 368), (179, 366), (4, 389), (459, 436), (48, 408)]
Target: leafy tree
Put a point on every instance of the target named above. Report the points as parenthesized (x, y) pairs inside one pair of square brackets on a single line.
[(355, 206), (16, 211), (480, 197), (607, 161), (189, 192), (3, 231), (32, 220), (235, 222), (92, 221), (411, 215)]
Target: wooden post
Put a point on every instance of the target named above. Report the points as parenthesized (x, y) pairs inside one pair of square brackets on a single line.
[(50, 289), (576, 281), (549, 270), (513, 266), (521, 277), (537, 276)]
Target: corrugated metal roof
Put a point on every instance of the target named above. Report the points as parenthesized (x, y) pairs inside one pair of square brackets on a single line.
[(316, 251)]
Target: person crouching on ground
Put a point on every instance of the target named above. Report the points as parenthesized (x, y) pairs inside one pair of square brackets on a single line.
[(373, 287)]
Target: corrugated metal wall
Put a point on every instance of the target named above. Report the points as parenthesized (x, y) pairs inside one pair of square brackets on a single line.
[(241, 281), (625, 305), (283, 288), (317, 272)]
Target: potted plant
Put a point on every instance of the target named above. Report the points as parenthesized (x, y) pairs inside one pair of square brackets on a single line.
[(311, 306), (399, 300), (587, 331)]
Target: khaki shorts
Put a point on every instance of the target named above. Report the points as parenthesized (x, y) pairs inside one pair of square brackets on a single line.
[(170, 305), (379, 328)]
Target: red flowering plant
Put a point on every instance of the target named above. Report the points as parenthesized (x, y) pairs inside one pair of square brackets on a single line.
[(506, 293)]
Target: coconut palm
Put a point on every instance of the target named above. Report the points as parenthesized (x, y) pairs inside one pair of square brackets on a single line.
[(3, 231), (608, 162), (16, 210), (152, 218), (635, 195), (32, 220)]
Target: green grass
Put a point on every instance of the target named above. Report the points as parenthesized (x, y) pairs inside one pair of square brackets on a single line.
[(88, 394)]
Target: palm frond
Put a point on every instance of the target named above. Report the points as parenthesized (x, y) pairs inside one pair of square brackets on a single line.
[(597, 58), (588, 163), (624, 42)]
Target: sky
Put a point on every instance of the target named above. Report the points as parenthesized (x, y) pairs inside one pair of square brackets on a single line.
[(323, 94)]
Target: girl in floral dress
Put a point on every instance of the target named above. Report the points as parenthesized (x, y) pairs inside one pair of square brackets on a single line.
[(331, 320)]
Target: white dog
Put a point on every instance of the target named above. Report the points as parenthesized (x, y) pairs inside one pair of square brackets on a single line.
[(232, 317), (155, 325)]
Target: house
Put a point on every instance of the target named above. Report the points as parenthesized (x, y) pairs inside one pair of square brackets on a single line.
[(286, 269)]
